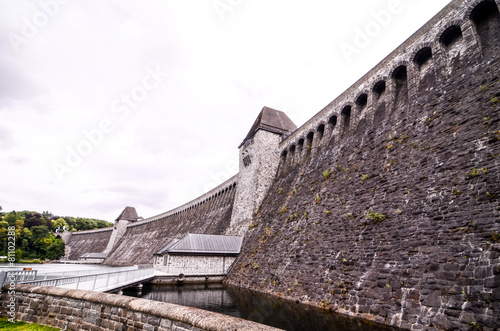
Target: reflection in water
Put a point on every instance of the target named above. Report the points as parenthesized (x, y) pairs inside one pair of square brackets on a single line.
[(213, 297), (254, 306)]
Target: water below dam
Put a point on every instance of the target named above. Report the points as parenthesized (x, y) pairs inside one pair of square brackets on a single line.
[(254, 306)]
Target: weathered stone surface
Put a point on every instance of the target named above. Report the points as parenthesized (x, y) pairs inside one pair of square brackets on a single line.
[(394, 204), (386, 203), (152, 234), (83, 242), (134, 314)]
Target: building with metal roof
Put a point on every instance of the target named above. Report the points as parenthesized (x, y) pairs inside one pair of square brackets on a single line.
[(93, 257), (198, 254)]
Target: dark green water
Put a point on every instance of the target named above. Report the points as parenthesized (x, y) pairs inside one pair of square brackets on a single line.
[(254, 306)]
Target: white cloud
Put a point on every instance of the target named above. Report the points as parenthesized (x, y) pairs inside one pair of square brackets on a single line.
[(182, 138)]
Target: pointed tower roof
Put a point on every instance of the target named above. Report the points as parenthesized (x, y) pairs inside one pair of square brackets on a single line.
[(271, 120), (128, 214)]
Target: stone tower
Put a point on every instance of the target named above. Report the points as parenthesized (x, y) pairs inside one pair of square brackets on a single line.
[(128, 215), (259, 160)]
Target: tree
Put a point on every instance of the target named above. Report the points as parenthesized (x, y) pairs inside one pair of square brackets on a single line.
[(4, 224), (47, 215), (59, 223), (27, 234), (18, 255), (34, 219), (41, 246), (85, 224), (56, 250), (103, 224), (71, 222), (12, 217), (19, 224), (39, 232)]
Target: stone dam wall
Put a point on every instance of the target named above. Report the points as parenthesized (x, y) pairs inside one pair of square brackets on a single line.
[(83, 242), (386, 203), (86, 310), (208, 214)]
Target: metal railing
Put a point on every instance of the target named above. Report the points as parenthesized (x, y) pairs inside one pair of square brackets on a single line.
[(98, 282), (74, 273), (16, 276)]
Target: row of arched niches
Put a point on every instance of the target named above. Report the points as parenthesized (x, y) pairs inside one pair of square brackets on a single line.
[(474, 30)]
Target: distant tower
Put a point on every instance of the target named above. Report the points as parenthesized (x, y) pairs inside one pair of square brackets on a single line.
[(128, 215), (259, 160)]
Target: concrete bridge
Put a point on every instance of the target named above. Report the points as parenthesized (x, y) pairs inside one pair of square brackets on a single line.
[(108, 281)]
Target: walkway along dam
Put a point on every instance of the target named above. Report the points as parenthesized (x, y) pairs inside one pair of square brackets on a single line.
[(385, 205)]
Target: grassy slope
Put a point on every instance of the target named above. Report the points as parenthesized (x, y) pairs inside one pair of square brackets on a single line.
[(18, 325)]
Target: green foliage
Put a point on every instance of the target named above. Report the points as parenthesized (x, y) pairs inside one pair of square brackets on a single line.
[(491, 196), (495, 236), (34, 219), (59, 223), (39, 232), (18, 254), (486, 121), (476, 326), (90, 224), (23, 326), (253, 225), (364, 177), (34, 233), (473, 172), (12, 217), (376, 217), (327, 173), (56, 249)]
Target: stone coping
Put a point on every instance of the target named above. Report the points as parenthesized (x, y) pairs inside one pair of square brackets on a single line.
[(198, 318)]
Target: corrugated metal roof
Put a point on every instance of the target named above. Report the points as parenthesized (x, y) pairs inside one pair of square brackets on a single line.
[(94, 255), (170, 244), (205, 244)]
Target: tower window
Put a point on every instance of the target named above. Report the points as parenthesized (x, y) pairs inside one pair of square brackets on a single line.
[(247, 161)]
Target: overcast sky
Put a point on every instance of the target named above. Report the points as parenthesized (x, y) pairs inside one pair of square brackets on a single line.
[(113, 103)]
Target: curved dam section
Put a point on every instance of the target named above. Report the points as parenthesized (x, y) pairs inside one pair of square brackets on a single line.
[(208, 214), (83, 242)]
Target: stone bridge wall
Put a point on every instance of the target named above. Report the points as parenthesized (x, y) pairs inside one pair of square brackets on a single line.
[(386, 204), (87, 310), (208, 214)]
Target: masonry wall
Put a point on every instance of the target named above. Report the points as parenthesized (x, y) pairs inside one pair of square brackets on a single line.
[(386, 203), (254, 178), (192, 265), (82, 242), (208, 214), (87, 310)]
